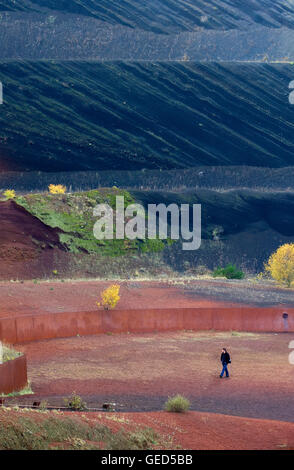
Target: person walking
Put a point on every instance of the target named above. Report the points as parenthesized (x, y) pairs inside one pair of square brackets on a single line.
[(225, 360)]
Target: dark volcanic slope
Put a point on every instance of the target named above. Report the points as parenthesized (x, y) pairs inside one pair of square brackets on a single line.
[(95, 116), (234, 211), (170, 16), (218, 178), (31, 36), (240, 227)]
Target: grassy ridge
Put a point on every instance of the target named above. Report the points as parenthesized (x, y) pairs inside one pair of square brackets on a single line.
[(73, 215), (123, 116), (168, 16)]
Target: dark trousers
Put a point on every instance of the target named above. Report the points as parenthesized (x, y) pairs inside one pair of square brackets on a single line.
[(225, 370)]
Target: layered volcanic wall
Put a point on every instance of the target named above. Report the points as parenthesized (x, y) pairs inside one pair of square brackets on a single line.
[(134, 116)]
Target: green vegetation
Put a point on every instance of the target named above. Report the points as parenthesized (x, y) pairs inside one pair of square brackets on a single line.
[(229, 272), (75, 402), (177, 404), (59, 433), (43, 405), (72, 216), (9, 353), (27, 390)]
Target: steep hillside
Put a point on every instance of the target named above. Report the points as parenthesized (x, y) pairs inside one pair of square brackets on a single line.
[(128, 116), (240, 227), (46, 236)]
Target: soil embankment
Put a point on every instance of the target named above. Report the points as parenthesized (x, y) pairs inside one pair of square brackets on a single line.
[(27, 246)]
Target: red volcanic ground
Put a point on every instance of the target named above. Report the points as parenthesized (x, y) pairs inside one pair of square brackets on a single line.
[(139, 372), (206, 431), (191, 431), (75, 296), (255, 406), (72, 296)]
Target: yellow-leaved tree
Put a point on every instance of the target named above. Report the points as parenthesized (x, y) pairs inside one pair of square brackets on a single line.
[(9, 194), (109, 297), (57, 189), (281, 264)]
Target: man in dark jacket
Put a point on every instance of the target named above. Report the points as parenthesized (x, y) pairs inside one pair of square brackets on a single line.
[(225, 360)]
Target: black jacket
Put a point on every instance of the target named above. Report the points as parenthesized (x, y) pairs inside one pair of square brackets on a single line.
[(225, 358)]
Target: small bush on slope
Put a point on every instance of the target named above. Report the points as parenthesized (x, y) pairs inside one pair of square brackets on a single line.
[(177, 404), (229, 272)]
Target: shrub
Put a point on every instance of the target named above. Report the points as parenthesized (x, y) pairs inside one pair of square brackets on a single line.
[(57, 189), (27, 390), (177, 404), (43, 405), (9, 194), (229, 272), (281, 264), (140, 439), (75, 402), (110, 297), (8, 353)]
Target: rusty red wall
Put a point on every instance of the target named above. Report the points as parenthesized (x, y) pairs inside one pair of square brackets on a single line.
[(13, 375), (57, 325)]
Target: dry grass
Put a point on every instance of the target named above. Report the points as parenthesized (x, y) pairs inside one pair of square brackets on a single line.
[(37, 430)]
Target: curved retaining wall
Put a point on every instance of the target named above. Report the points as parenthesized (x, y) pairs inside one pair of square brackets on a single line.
[(13, 375), (59, 325)]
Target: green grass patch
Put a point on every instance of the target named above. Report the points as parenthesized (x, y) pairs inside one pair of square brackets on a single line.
[(72, 215)]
